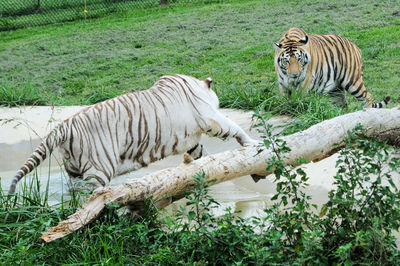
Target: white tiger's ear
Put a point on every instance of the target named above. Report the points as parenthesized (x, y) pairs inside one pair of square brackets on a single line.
[(208, 81), (277, 46)]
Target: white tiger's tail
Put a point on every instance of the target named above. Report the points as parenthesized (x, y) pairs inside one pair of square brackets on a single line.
[(51, 141)]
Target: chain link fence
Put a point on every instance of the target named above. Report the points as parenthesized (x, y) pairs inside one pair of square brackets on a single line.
[(16, 14)]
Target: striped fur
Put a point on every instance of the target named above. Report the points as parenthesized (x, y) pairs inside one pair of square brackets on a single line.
[(327, 64), (132, 130)]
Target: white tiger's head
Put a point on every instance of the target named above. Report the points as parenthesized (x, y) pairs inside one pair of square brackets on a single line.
[(292, 56)]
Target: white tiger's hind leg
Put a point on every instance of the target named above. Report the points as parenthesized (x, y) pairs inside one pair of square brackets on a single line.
[(80, 185), (88, 181), (75, 181)]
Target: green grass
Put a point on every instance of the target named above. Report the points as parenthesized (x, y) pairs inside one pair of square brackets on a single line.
[(232, 42), (308, 110)]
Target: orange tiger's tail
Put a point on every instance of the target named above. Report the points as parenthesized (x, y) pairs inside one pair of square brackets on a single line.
[(381, 104), (53, 140)]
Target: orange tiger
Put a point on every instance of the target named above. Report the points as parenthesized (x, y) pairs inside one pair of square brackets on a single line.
[(327, 64)]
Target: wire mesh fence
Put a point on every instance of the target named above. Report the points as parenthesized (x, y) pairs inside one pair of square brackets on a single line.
[(16, 14)]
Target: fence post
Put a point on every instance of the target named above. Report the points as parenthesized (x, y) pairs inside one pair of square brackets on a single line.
[(85, 10), (38, 6), (163, 2)]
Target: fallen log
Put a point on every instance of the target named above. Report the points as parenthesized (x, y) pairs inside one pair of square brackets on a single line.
[(315, 143)]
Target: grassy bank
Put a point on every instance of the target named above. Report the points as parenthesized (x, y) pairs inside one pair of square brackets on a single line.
[(88, 61)]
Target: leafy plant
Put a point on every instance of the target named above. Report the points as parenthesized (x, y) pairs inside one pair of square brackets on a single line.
[(356, 224), (364, 209)]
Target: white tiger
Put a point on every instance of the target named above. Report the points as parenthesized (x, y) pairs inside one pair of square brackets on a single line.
[(130, 131)]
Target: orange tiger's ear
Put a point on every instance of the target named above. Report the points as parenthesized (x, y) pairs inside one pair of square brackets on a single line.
[(208, 81), (304, 40), (277, 46)]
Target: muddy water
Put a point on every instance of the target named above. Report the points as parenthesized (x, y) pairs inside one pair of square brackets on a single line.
[(21, 129)]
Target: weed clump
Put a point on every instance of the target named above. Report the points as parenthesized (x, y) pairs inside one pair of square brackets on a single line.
[(16, 96)]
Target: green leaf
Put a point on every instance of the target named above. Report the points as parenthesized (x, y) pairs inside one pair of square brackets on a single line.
[(191, 215), (323, 211)]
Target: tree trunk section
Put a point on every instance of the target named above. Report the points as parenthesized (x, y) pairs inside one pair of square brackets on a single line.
[(315, 143)]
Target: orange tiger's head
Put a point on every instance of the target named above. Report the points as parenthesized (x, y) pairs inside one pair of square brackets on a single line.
[(292, 56)]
